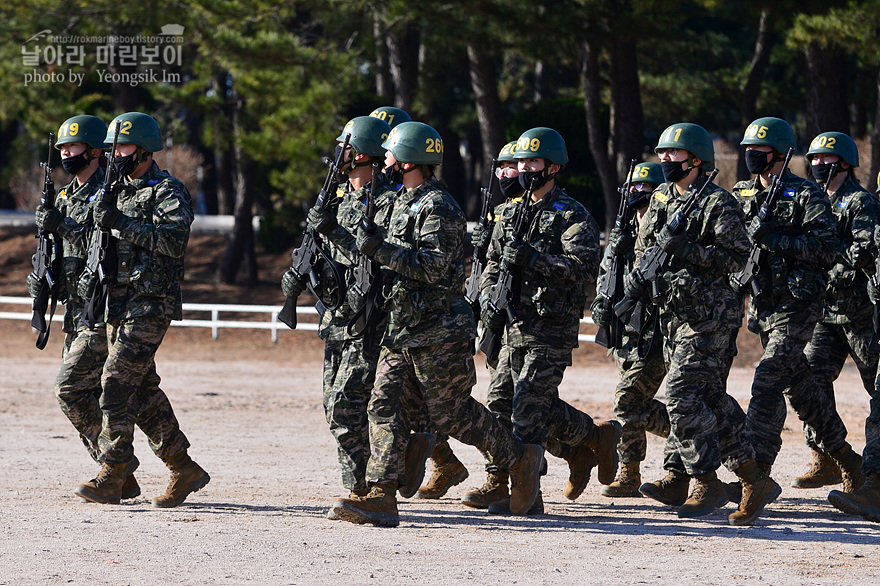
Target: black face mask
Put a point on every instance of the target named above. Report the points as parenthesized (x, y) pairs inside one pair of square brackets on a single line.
[(525, 179), (123, 166), (822, 172), (510, 187), (637, 199), (756, 162), (76, 163), (672, 170)]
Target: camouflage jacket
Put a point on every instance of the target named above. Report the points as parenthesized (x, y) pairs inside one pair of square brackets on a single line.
[(857, 213), (794, 277), (696, 290), (552, 294), (423, 247), (75, 203), (340, 244), (157, 214)]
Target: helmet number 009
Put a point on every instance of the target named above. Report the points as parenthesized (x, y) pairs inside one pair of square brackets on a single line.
[(69, 129), (433, 145), (528, 144), (823, 141), (756, 131)]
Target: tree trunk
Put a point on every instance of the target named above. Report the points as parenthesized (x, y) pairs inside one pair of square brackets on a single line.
[(826, 90), (751, 88), (598, 143), (403, 54), (489, 114), (875, 143), (627, 120), (384, 84)]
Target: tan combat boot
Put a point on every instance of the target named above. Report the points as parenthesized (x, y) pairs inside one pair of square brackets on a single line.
[(864, 501), (525, 479), (494, 490), (735, 489), (627, 482), (708, 495), (671, 490), (448, 472), (603, 441), (378, 508), (758, 490), (106, 488), (850, 465), (580, 464), (186, 477), (130, 488), (418, 450), (823, 472), (355, 494), (502, 507)]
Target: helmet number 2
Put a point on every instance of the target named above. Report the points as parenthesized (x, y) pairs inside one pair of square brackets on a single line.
[(126, 126), (433, 145)]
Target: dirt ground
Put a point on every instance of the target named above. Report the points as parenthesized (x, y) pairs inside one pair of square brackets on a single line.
[(252, 411)]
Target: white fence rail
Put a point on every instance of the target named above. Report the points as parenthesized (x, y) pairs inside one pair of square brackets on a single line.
[(215, 323)]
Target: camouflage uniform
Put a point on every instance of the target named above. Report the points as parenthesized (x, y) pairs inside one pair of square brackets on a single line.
[(427, 350), (78, 384), (845, 327), (142, 301), (537, 347), (786, 312), (699, 316)]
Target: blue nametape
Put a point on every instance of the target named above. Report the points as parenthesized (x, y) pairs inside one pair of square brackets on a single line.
[(788, 193), (559, 205), (152, 181)]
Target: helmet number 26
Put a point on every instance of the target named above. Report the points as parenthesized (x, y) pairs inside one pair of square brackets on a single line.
[(433, 145)]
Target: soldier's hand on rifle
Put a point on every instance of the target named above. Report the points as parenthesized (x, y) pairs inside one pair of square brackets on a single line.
[(601, 311), (620, 241), (322, 220), (675, 244), (368, 242), (290, 285), (757, 229), (520, 254), (634, 285), (492, 320), (33, 285), (107, 215), (48, 219), (86, 285), (482, 236)]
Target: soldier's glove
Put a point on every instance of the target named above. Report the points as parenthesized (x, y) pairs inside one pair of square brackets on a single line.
[(758, 229), (482, 236), (520, 254), (873, 292), (48, 218), (290, 285), (33, 285), (601, 311), (492, 320), (323, 220), (108, 216), (675, 244), (634, 285), (86, 285), (620, 241), (368, 242)]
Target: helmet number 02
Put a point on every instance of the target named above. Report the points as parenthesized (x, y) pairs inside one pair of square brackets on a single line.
[(433, 145), (823, 141), (69, 129), (757, 131)]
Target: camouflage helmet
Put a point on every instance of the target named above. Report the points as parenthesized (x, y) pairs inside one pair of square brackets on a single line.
[(648, 173), (506, 154), (367, 135), (391, 115), (690, 137), (136, 128), (771, 132), (541, 143), (415, 142), (835, 143), (90, 130)]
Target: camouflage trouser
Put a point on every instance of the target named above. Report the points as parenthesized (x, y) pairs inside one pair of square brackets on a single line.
[(730, 422), (130, 393), (78, 388), (634, 403), (349, 372), (784, 371), (696, 393), (440, 377), (871, 455), (826, 354)]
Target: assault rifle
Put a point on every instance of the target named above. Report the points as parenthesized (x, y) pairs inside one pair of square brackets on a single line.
[(501, 293), (472, 285), (46, 260), (747, 276), (655, 258), (306, 256), (368, 275), (611, 287), (101, 260)]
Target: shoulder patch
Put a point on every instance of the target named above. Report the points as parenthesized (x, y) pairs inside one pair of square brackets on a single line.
[(747, 193), (842, 204), (661, 197), (153, 181), (559, 205), (788, 193)]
